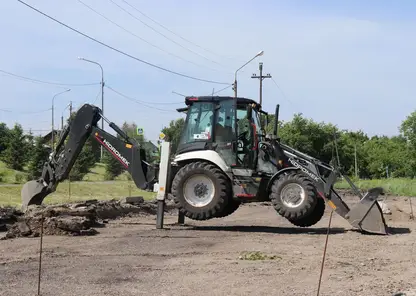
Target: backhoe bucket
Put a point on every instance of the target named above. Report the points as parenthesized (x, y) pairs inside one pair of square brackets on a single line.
[(367, 214), (33, 192)]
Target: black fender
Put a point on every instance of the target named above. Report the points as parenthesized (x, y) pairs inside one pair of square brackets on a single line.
[(278, 174)]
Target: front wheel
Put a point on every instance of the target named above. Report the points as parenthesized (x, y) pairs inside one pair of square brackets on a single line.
[(293, 195), (231, 207), (314, 217), (200, 190)]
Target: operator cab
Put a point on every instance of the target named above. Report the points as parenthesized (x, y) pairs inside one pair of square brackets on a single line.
[(213, 123)]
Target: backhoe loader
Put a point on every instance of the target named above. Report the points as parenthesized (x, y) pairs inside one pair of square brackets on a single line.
[(223, 158)]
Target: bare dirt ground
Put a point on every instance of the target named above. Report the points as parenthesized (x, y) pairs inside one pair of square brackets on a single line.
[(131, 257)]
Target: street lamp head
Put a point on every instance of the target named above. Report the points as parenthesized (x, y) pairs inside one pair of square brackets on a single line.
[(260, 53), (81, 58)]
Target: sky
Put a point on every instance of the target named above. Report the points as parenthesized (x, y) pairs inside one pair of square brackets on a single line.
[(351, 63)]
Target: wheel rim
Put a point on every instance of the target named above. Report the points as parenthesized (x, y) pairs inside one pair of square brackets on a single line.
[(292, 195), (198, 190)]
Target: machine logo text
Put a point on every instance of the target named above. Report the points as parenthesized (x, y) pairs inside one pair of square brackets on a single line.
[(115, 151), (313, 176)]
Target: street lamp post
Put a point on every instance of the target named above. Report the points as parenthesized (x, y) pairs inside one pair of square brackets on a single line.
[(53, 128), (102, 95), (235, 75), (260, 53)]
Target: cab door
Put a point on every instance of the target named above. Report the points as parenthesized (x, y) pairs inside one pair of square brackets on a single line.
[(255, 130)]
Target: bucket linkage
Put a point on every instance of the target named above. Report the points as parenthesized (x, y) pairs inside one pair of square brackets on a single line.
[(365, 215)]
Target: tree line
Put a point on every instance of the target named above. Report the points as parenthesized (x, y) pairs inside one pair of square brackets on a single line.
[(359, 155)]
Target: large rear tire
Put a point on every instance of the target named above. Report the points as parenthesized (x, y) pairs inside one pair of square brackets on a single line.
[(200, 190), (230, 208), (299, 205), (314, 217)]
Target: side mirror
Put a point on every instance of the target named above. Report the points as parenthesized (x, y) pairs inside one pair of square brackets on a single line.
[(234, 146)]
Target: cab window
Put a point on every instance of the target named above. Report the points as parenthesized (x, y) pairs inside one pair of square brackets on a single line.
[(198, 125)]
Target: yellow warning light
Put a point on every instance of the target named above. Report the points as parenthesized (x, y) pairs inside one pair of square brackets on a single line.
[(332, 205), (129, 145), (96, 134)]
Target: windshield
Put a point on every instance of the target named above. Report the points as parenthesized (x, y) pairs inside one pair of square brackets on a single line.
[(198, 125)]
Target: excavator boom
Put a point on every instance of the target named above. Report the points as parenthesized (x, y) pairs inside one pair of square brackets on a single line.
[(70, 144)]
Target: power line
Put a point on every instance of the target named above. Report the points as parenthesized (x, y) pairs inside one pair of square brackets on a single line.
[(277, 85), (120, 51), (96, 98), (147, 102), (26, 112), (46, 82), (144, 23), (137, 36), (167, 29), (218, 91), (141, 103)]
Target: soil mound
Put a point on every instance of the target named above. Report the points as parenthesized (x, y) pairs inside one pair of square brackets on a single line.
[(72, 219)]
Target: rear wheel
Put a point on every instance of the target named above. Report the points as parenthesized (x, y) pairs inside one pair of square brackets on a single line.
[(200, 190), (293, 195), (230, 208), (314, 217)]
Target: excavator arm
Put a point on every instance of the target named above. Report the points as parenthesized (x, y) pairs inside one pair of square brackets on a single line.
[(70, 144)]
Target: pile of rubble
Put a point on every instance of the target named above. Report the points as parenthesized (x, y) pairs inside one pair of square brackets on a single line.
[(72, 219)]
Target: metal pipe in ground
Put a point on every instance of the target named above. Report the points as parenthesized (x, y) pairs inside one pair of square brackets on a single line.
[(40, 254)]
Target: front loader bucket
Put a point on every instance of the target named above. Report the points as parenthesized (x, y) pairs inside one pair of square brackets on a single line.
[(33, 192), (367, 214)]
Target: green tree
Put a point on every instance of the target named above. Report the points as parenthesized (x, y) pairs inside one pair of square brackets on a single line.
[(131, 130), (86, 159), (39, 157), (408, 131), (14, 155), (84, 162), (113, 167), (4, 137), (173, 132), (408, 128), (30, 146)]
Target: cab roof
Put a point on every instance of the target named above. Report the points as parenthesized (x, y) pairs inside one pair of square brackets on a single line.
[(240, 100)]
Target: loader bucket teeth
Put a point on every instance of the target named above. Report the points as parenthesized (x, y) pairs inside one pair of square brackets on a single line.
[(367, 215), (33, 192)]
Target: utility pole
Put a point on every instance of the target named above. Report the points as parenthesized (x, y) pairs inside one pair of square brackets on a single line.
[(62, 116), (53, 129), (261, 77)]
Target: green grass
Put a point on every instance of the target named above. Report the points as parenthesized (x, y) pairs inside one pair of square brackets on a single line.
[(397, 186), (257, 255), (80, 191), (97, 173), (8, 176), (77, 191)]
